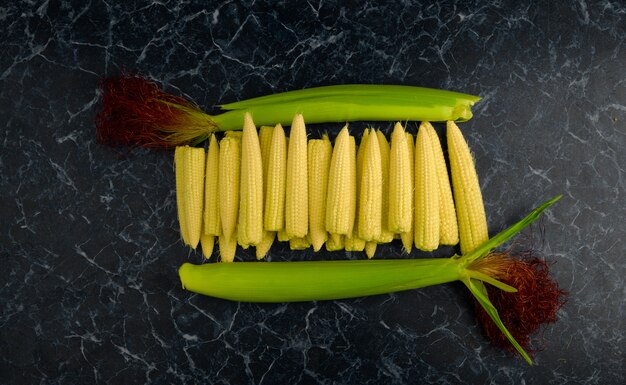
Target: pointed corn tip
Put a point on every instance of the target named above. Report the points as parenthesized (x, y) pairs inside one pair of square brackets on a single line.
[(397, 129), (247, 121), (298, 119)]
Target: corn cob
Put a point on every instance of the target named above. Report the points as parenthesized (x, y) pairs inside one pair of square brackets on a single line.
[(228, 247), (470, 209), (297, 196), (320, 153), (180, 189), (407, 237), (263, 247), (190, 194), (371, 191), (341, 185), (276, 174), (265, 140), (426, 192), (400, 183), (234, 134), (352, 241), (250, 226), (229, 174), (370, 249), (211, 225), (352, 176), (282, 236), (335, 242), (386, 236), (207, 242), (448, 228), (211, 190), (299, 243)]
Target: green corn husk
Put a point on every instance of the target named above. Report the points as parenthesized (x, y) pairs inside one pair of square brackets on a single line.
[(137, 112), (326, 280)]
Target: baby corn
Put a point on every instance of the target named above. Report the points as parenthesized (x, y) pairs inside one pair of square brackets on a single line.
[(426, 229), (276, 181), (386, 235), (341, 197), (407, 237), (320, 153), (467, 196), (229, 175), (371, 191), (190, 163), (400, 183), (297, 196), (448, 228)]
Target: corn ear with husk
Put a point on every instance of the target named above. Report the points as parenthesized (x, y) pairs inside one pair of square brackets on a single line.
[(328, 280), (137, 112)]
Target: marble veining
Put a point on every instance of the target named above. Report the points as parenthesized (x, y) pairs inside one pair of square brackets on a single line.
[(88, 237)]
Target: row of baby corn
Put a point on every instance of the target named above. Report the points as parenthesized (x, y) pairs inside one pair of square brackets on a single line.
[(253, 187)]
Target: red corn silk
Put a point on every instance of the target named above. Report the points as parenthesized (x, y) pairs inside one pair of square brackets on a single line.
[(133, 113), (536, 302)]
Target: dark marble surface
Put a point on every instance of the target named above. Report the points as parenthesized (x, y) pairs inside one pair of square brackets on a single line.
[(89, 246)]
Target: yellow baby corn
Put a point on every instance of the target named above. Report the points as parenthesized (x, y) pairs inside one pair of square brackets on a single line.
[(297, 196), (229, 174), (400, 183), (352, 241), (276, 181), (233, 134), (320, 153), (207, 242), (341, 197), (370, 249), (470, 209), (211, 225), (299, 243), (265, 140), (211, 190), (282, 236), (426, 229), (263, 247), (407, 236), (371, 191), (228, 247), (352, 176), (180, 192), (386, 235), (448, 228), (190, 163), (250, 225), (335, 242)]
